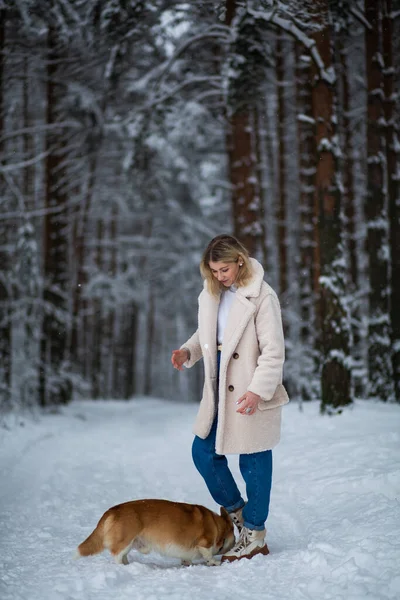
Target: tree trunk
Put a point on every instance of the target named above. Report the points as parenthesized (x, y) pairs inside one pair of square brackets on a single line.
[(97, 376), (124, 355), (391, 107), (242, 167), (80, 233), (349, 213), (130, 336), (379, 335), (259, 134), (264, 131), (307, 152), (29, 256), (242, 170), (5, 299), (281, 216), (148, 374), (54, 388), (112, 316), (348, 177), (331, 313)]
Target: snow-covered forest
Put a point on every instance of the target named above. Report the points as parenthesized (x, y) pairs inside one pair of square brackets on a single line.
[(132, 132)]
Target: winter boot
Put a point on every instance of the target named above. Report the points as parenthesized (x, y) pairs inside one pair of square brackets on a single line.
[(250, 543), (237, 519)]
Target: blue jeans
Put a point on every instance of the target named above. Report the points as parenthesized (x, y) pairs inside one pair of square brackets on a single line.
[(256, 470)]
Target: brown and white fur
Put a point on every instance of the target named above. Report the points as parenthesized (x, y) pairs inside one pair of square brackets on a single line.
[(175, 529)]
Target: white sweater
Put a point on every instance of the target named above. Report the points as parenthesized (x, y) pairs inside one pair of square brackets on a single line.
[(225, 304)]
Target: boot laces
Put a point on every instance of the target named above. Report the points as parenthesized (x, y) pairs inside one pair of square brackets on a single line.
[(244, 540)]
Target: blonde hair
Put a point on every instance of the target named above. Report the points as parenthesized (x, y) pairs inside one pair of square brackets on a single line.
[(225, 248)]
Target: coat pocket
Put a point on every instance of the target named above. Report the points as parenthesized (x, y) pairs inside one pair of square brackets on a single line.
[(279, 398)]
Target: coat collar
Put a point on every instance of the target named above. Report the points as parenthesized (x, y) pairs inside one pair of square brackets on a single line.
[(253, 288)]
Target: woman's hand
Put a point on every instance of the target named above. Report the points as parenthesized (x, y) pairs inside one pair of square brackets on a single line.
[(248, 403), (179, 357)]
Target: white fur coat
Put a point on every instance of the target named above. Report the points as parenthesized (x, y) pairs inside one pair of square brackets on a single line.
[(252, 359)]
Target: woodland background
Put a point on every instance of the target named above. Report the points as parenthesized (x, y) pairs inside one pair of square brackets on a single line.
[(132, 132)]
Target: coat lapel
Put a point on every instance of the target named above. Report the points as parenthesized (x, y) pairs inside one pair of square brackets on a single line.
[(208, 318), (239, 316)]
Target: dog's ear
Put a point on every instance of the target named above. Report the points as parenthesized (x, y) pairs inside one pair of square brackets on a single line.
[(224, 513)]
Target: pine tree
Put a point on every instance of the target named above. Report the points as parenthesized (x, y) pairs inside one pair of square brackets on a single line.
[(282, 174), (28, 287), (307, 153), (376, 209), (247, 62), (332, 314), (5, 287), (391, 112), (53, 386)]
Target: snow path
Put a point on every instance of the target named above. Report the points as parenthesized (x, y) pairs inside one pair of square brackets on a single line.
[(333, 530)]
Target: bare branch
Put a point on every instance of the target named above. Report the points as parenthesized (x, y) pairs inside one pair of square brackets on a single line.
[(15, 189), (39, 128), (38, 212), (210, 93), (179, 87), (25, 163), (359, 15)]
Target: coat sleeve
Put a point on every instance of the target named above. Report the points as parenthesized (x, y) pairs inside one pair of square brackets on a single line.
[(268, 373), (194, 347)]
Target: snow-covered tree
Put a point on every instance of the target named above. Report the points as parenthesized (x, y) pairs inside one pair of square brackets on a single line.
[(392, 115), (133, 132), (332, 313), (5, 286), (376, 210)]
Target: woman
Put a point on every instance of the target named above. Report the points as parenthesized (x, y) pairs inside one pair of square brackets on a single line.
[(240, 339)]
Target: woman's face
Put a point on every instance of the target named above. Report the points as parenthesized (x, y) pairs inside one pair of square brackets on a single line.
[(225, 272)]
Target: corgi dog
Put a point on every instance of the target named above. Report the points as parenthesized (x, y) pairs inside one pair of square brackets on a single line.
[(175, 529)]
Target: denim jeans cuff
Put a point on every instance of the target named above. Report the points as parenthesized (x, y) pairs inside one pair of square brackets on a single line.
[(236, 506), (256, 527)]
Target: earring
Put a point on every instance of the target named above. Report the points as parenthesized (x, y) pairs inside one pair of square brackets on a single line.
[(240, 264)]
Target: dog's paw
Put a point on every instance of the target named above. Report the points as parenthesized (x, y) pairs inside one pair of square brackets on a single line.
[(213, 563), (186, 563)]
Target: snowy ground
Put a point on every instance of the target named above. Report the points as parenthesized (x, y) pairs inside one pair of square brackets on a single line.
[(333, 529)]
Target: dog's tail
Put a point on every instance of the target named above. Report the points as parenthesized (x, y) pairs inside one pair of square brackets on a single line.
[(94, 543)]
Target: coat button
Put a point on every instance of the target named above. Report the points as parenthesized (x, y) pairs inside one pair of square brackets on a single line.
[(231, 388), (236, 355)]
